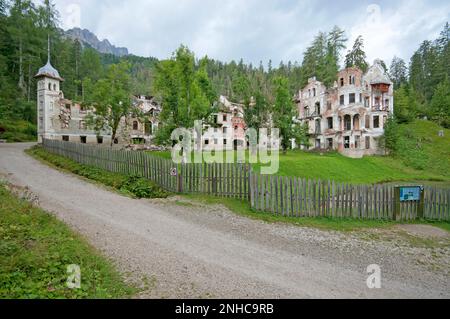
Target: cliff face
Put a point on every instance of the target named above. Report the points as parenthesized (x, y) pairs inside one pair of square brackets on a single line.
[(87, 38)]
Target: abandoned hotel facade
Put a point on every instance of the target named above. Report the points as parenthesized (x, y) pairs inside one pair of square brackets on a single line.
[(350, 116), (62, 119)]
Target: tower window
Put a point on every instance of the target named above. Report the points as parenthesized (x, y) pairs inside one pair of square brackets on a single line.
[(54, 87), (49, 86)]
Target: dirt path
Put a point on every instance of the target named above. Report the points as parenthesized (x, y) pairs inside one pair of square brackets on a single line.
[(205, 251)]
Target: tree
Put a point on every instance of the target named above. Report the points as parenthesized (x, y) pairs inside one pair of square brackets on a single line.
[(398, 72), (356, 56), (390, 139), (110, 99), (440, 104), (185, 90), (406, 106), (284, 113)]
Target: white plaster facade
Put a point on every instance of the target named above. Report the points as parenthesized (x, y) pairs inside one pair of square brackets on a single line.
[(350, 116)]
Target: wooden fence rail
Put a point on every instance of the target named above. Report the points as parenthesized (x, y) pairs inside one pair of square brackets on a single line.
[(287, 196)]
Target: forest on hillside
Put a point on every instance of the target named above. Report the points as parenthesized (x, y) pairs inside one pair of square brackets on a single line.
[(422, 87)]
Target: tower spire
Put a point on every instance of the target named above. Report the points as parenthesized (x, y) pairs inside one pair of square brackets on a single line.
[(48, 48)]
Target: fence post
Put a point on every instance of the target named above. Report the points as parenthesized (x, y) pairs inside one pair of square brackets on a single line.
[(397, 211), (421, 208)]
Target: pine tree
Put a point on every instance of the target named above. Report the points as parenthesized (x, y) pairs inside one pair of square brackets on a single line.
[(440, 104), (356, 56), (398, 72)]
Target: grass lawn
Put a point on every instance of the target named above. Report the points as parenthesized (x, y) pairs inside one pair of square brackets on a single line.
[(424, 156), (35, 250)]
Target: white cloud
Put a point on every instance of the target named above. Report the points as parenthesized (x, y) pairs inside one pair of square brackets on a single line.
[(258, 30)]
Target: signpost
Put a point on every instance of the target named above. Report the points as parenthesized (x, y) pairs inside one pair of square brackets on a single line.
[(405, 194)]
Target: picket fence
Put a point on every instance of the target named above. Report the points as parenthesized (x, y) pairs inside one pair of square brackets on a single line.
[(287, 196)]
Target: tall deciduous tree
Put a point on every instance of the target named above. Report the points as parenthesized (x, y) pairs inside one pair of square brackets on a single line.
[(110, 98), (284, 113), (186, 92)]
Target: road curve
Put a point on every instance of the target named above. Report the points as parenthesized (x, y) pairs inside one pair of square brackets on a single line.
[(191, 251)]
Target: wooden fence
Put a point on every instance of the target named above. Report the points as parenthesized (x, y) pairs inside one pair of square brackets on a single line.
[(296, 197), (287, 196), (225, 180)]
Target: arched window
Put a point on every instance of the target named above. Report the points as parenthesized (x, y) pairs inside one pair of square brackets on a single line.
[(356, 122), (49, 86), (347, 123), (135, 125), (54, 87)]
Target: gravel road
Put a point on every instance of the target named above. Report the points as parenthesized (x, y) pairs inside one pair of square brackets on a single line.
[(192, 250)]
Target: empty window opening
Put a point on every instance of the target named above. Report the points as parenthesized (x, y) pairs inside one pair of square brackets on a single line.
[(342, 81), (356, 123), (318, 129), (329, 106), (352, 98), (367, 121), (318, 108), (65, 138), (330, 143), (330, 123), (357, 142), (135, 125), (225, 118), (206, 142), (347, 123), (83, 139), (367, 142), (116, 141), (347, 142), (342, 100), (376, 122), (99, 139)]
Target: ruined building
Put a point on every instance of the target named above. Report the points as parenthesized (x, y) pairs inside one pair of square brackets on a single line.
[(350, 116), (227, 128), (63, 119)]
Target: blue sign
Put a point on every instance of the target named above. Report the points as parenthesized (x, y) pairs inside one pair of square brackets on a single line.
[(409, 194)]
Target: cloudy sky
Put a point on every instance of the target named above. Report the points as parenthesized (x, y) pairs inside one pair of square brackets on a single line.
[(256, 30)]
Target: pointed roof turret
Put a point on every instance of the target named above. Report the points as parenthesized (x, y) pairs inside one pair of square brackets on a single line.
[(48, 70)]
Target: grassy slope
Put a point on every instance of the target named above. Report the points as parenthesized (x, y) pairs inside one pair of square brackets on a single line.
[(35, 250), (434, 157), (17, 131)]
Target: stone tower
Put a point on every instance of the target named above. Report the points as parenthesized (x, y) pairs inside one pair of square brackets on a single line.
[(48, 96)]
